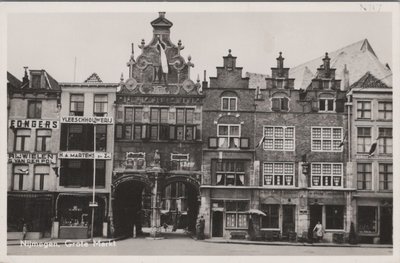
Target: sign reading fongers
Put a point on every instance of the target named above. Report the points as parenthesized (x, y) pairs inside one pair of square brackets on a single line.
[(32, 123)]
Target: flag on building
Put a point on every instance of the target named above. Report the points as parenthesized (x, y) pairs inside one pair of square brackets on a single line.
[(342, 142), (260, 142), (373, 147), (163, 56)]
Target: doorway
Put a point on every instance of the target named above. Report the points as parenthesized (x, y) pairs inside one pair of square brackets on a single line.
[(315, 215), (217, 224), (386, 225), (288, 219)]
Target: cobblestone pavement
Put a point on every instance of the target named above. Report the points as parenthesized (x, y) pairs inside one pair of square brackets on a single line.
[(178, 244)]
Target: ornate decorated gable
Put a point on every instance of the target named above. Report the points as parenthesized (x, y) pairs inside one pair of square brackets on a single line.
[(160, 69)]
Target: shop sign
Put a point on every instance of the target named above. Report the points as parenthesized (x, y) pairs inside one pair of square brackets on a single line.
[(87, 120), (84, 155), (161, 100), (34, 158), (34, 123)]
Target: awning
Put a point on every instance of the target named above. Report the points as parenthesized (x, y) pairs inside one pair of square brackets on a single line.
[(256, 212)]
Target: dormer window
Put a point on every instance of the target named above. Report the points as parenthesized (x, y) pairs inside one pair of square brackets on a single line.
[(229, 103)]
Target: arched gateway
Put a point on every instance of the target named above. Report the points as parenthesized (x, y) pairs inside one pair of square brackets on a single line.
[(158, 141)]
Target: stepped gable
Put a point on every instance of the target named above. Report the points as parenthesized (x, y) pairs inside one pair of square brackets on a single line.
[(160, 68)]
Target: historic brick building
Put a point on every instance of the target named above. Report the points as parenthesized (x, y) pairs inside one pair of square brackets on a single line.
[(33, 142), (157, 157), (85, 157), (371, 169), (302, 158), (228, 151)]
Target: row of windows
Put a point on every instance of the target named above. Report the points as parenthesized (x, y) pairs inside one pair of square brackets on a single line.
[(22, 140), (156, 132), (385, 110), (364, 176), (364, 140), (77, 105), (41, 180), (159, 115)]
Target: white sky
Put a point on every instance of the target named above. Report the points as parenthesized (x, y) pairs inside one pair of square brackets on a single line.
[(102, 41)]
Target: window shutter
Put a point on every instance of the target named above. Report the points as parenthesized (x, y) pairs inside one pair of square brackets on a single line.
[(64, 137), (213, 142), (285, 104), (275, 104), (340, 105), (244, 143)]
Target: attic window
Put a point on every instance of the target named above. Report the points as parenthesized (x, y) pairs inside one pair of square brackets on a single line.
[(280, 104), (36, 81)]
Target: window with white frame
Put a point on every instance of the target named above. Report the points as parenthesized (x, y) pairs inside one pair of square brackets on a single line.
[(385, 141), (43, 140), (279, 138), (278, 174), (385, 176), (326, 105), (41, 180), (363, 110), (20, 175), (385, 109), (326, 139), (22, 142), (326, 174), (363, 139), (100, 105), (229, 103), (229, 135), (230, 172), (236, 214)]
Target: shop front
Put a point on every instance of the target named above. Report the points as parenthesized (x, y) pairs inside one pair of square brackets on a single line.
[(32, 209), (74, 215)]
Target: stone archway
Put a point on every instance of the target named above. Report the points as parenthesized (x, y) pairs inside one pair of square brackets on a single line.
[(129, 195), (180, 201)]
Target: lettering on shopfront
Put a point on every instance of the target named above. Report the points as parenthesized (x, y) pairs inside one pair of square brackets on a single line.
[(87, 120), (34, 158), (84, 155), (31, 123)]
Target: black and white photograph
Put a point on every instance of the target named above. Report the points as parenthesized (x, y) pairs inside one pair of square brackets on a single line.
[(200, 129)]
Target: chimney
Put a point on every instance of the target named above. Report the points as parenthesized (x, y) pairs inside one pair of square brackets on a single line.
[(346, 78), (205, 83), (25, 79)]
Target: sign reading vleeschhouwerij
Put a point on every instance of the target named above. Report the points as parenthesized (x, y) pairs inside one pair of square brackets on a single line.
[(87, 120), (34, 158), (84, 155), (34, 123)]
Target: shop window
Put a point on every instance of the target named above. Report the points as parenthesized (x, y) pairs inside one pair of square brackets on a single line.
[(280, 104), (236, 214), (101, 138), (278, 174), (34, 109), (385, 176), (326, 174), (76, 105), (41, 180), (100, 105), (22, 142), (76, 137), (363, 139), (334, 217), (326, 105), (20, 177), (364, 110), (279, 138), (228, 135), (385, 110), (271, 220), (229, 103), (230, 173), (385, 141), (367, 219), (326, 139), (43, 140), (364, 176)]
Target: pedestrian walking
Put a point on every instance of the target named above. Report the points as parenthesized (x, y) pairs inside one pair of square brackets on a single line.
[(24, 231), (251, 228), (319, 232)]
